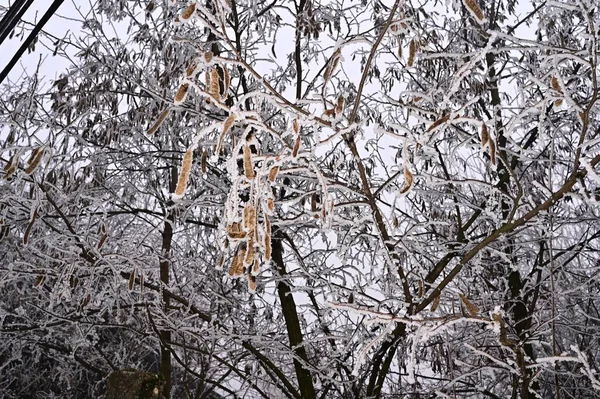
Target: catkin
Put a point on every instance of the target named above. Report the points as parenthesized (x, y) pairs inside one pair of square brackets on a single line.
[(185, 173), (470, 306), (34, 160), (248, 164), (256, 267), (161, 118)]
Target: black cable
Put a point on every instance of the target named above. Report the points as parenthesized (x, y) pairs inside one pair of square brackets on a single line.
[(9, 21), (38, 27)]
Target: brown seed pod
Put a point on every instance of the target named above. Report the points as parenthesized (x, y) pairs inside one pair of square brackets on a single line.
[(332, 65), (408, 180), (188, 11), (29, 227), (226, 126), (208, 56), (420, 289), (39, 280), (273, 173), (250, 218), (214, 89), (435, 303), (256, 267), (270, 204), (251, 283), (296, 147), (226, 83), (234, 231), (268, 248), (131, 281), (296, 126), (475, 9), (470, 306), (141, 282), (437, 123), (485, 135), (249, 259), (339, 107), (190, 70), (161, 118), (237, 263), (34, 160), (556, 86), (248, 164), (204, 161), (185, 173), (412, 51), (103, 239), (181, 94), (492, 151)]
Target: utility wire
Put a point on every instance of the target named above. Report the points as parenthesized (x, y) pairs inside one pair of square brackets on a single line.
[(38, 27), (12, 17)]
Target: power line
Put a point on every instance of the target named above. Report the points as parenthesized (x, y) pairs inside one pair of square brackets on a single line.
[(38, 27), (12, 17)]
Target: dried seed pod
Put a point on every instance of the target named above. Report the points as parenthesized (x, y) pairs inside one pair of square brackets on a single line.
[(29, 227), (492, 151), (329, 113), (85, 301), (249, 218), (556, 86), (185, 173), (268, 248), (191, 70), (273, 173), (475, 10), (399, 50), (141, 282), (256, 267), (187, 13), (204, 162), (234, 232), (131, 281), (251, 283), (296, 147), (248, 164), (485, 135), (408, 180), (395, 222), (214, 89), (332, 65), (339, 107), (34, 160), (208, 56), (39, 280), (226, 83), (412, 51), (11, 167), (103, 239), (437, 123), (220, 262), (470, 306), (249, 259), (435, 303), (296, 126), (161, 118), (420, 289), (237, 263), (270, 204), (181, 94), (226, 126)]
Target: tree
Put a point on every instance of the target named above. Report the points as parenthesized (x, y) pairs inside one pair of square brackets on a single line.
[(309, 199)]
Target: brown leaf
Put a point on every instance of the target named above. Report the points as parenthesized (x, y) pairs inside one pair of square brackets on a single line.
[(34, 160), (339, 107), (408, 180), (188, 12), (204, 161), (332, 65), (437, 123), (273, 173), (470, 306), (485, 135), (435, 303), (296, 147), (492, 152), (412, 51)]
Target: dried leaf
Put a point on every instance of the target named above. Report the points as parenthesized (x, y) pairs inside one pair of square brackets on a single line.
[(161, 118), (39, 280), (103, 239), (185, 173), (131, 281), (470, 306), (420, 289)]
